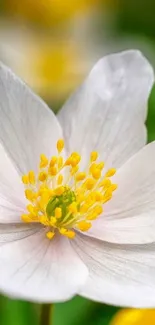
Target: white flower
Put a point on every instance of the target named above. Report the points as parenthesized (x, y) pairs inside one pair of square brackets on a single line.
[(47, 252)]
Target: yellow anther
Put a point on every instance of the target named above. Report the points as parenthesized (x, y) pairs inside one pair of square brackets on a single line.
[(100, 165), (108, 192), (42, 176), (68, 233), (43, 161), (72, 207), (53, 171), (33, 210), (62, 231), (84, 208), (58, 213), (50, 234), (74, 170), (94, 214), (98, 210), (31, 177), (96, 173), (59, 190), (53, 221), (44, 190), (110, 172), (107, 195), (29, 194), (26, 218), (80, 177), (94, 156), (44, 220), (83, 225), (113, 187), (106, 182), (60, 145), (68, 161), (44, 200), (89, 183), (80, 194), (98, 196), (60, 162), (75, 159), (53, 161), (60, 179), (25, 179)]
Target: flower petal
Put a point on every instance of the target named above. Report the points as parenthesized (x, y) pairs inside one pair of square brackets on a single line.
[(16, 231), (38, 269), (108, 111), (27, 127), (129, 217), (118, 274), (12, 200)]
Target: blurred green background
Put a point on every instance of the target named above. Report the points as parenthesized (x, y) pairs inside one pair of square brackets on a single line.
[(52, 44)]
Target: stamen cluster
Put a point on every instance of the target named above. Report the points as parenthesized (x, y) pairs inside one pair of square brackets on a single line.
[(63, 198)]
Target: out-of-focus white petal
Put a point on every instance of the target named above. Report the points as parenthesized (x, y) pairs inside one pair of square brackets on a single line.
[(27, 126), (108, 111), (38, 269), (118, 274), (129, 217), (12, 200)]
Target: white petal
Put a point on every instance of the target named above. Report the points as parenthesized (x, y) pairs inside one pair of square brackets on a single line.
[(12, 200), (129, 217), (119, 274), (38, 269), (108, 111), (27, 126), (13, 232)]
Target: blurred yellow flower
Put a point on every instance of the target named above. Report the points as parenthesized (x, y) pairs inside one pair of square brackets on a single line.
[(52, 67), (56, 69), (48, 12), (134, 317)]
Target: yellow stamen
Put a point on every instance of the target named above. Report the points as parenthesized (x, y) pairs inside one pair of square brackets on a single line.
[(43, 161), (53, 221), (52, 171), (31, 177), (60, 145), (83, 225), (110, 172), (94, 156), (25, 179), (62, 198), (32, 209), (42, 176), (80, 177), (50, 234), (60, 162), (114, 187), (73, 207), (58, 213), (59, 190), (89, 183), (60, 179), (29, 194), (53, 161), (68, 233), (26, 218), (96, 173)]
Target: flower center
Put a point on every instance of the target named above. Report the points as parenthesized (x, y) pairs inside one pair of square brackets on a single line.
[(64, 199)]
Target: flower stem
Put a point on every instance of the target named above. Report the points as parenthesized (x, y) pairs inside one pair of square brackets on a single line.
[(46, 314)]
